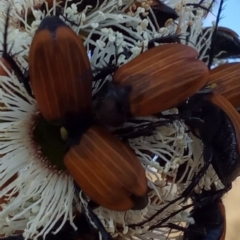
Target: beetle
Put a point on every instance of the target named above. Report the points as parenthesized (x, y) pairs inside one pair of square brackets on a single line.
[(118, 170), (152, 82), (147, 82), (111, 105), (219, 129), (61, 75)]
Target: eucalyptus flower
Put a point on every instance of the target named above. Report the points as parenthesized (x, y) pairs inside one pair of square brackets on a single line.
[(39, 192)]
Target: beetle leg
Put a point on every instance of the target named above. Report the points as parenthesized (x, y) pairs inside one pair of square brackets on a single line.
[(91, 216), (109, 69), (174, 38), (143, 129), (160, 223), (22, 77), (147, 128), (94, 221)]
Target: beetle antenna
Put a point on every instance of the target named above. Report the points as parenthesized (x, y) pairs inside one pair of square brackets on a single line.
[(214, 35)]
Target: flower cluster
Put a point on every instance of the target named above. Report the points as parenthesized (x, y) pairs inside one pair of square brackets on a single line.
[(37, 194)]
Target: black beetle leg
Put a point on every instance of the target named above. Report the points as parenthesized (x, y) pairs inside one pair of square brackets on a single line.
[(91, 217), (100, 228), (160, 224), (174, 38), (108, 69), (140, 130)]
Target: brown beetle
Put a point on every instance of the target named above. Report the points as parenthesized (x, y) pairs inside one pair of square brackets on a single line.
[(107, 171), (225, 80), (57, 62), (161, 78)]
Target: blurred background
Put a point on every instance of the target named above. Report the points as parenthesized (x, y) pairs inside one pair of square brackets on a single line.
[(230, 15), (230, 19)]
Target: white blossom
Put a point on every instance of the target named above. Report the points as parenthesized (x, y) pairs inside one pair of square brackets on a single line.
[(40, 195)]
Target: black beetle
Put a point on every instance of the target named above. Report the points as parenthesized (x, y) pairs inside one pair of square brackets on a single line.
[(209, 217), (216, 122), (218, 125)]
